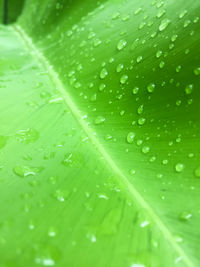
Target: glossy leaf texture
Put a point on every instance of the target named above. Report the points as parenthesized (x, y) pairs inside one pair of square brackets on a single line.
[(100, 139)]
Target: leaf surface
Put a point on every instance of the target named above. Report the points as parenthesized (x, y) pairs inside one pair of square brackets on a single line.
[(100, 134)]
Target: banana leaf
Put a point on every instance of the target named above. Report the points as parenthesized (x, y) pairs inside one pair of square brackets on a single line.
[(100, 134)]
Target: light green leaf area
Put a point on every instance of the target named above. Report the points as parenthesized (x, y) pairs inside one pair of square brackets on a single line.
[(100, 134)]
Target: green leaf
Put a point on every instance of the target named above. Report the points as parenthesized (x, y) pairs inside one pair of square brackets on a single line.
[(99, 137), (10, 10)]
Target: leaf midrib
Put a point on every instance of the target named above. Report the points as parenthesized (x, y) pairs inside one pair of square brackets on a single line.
[(88, 130)]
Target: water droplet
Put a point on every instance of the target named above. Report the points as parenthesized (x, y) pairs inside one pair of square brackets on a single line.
[(139, 59), (197, 71), (119, 67), (189, 89), (165, 161), (102, 86), (96, 42), (103, 73), (178, 68), (162, 64), (185, 216), (144, 224), (132, 172), (140, 109), (137, 11), (124, 79), (115, 15), (135, 90), (151, 87), (145, 149), (52, 232), (158, 53), (179, 167), (121, 44), (141, 121), (130, 137), (24, 171), (60, 195), (93, 97), (174, 37), (160, 13), (163, 25), (99, 120), (182, 14)]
